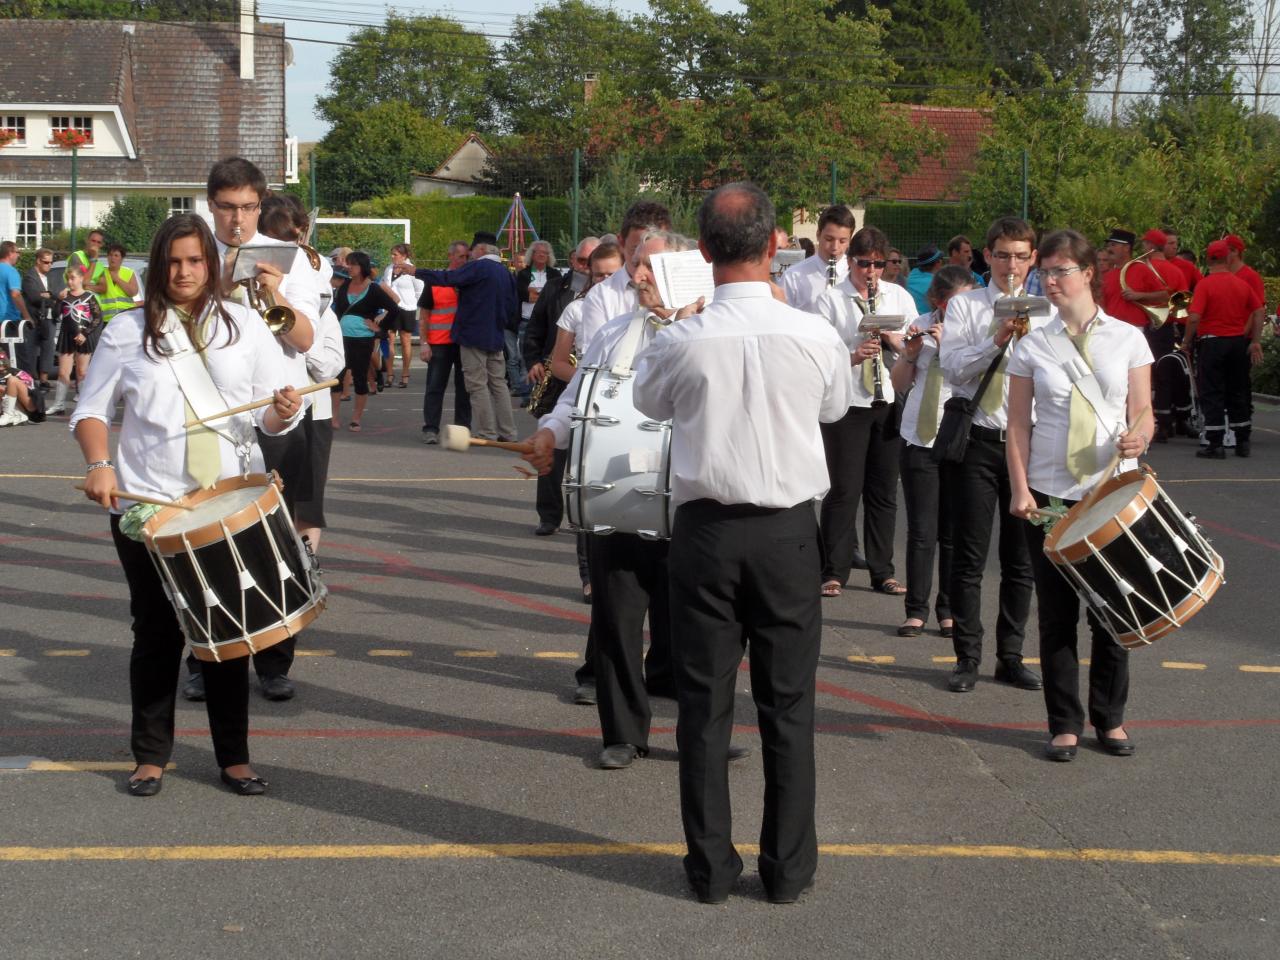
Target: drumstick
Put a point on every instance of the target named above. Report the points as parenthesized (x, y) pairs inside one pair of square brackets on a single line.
[(459, 438), (1115, 461), (244, 407), (142, 498)]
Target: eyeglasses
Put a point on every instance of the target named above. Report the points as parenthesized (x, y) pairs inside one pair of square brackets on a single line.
[(1006, 257), (866, 264), (897, 260), (1057, 273), (233, 207)]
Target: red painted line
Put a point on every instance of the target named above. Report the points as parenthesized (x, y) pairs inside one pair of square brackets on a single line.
[(1238, 534)]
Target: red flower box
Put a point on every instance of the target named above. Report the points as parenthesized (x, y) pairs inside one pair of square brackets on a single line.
[(71, 139), (7, 136)]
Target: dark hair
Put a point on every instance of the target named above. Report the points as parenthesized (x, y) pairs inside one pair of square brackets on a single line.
[(735, 223), (838, 214), (113, 247), (947, 282), (234, 173), (156, 299), (359, 258), (97, 231), (958, 241), (1076, 248), (282, 217), (1010, 228), (404, 250), (869, 240), (807, 246), (643, 215)]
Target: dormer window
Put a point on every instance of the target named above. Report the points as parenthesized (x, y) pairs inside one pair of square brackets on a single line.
[(13, 130), (61, 124)]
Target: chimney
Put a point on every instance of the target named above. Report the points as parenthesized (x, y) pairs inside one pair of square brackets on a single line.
[(590, 82), (248, 23)]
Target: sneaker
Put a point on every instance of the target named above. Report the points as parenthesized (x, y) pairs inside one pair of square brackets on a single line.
[(430, 437), (15, 419), (193, 689)]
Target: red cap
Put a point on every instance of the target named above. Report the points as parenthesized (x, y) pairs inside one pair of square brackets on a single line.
[(1234, 242), (1218, 250), (1155, 237)]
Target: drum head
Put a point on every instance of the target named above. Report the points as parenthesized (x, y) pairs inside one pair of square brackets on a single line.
[(1099, 512), (210, 511)]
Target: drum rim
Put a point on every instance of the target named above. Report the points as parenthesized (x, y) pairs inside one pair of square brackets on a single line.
[(1192, 604), (1145, 489), (175, 543), (235, 649)]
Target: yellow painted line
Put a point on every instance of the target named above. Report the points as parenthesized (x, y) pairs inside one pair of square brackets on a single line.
[(488, 851), (82, 766), (315, 653), (556, 655), (391, 653), (944, 659), (475, 653), (858, 659), (1085, 661), (1257, 668), (1180, 665), (67, 653), (8, 653)]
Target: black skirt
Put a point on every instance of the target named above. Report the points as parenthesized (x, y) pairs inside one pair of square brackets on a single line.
[(67, 339)]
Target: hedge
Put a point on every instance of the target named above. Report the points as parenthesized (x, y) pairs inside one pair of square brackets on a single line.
[(910, 226)]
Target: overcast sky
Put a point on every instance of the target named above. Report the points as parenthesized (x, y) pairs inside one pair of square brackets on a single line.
[(334, 21)]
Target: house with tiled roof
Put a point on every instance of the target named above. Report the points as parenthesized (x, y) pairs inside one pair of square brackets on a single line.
[(461, 173), (157, 104), (940, 178)]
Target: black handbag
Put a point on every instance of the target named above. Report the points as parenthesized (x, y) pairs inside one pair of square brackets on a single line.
[(952, 441)]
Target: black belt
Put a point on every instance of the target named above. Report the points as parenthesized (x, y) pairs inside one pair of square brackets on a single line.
[(987, 433)]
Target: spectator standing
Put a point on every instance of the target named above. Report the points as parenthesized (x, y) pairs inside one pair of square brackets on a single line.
[(358, 301), (78, 332), (530, 282), (893, 268), (116, 285), (928, 262), (437, 307), (86, 260), (13, 306), (960, 253), (402, 323), (38, 355), (486, 304)]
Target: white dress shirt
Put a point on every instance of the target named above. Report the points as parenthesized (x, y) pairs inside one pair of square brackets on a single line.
[(325, 360), (804, 283), (537, 280), (1115, 347), (969, 346), (571, 319), (408, 288), (837, 306), (927, 356), (151, 456), (603, 302), (745, 384)]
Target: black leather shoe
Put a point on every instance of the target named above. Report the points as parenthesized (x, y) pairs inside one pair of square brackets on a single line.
[(545, 529), (1212, 453), (585, 695), (1242, 448), (193, 689), (145, 787), (1116, 746), (963, 677), (245, 786), (737, 752), (910, 630), (1015, 673), (618, 757), (858, 561), (1060, 754), (278, 687), (788, 896), (1160, 436)]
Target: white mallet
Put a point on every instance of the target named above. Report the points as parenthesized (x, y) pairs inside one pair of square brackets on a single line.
[(459, 438)]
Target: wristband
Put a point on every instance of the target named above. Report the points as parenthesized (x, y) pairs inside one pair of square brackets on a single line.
[(99, 465)]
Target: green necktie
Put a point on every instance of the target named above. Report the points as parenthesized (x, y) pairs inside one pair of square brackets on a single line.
[(204, 458), (993, 398), (927, 421), (1082, 423)]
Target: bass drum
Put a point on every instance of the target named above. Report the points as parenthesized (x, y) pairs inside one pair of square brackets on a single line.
[(618, 476)]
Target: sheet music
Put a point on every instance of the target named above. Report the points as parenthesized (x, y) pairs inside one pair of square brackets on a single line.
[(280, 256), (682, 277), (785, 258)]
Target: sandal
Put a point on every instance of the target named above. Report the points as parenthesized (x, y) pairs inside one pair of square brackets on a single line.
[(911, 627), (831, 588), (354, 426), (945, 627), (404, 382), (890, 586)]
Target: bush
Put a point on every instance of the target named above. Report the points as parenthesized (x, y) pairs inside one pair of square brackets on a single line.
[(910, 226), (133, 221)]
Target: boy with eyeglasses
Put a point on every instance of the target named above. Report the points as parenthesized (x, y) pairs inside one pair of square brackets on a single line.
[(972, 339)]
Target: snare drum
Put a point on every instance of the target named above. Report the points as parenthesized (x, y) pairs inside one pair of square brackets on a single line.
[(618, 475), (1143, 567), (234, 567)]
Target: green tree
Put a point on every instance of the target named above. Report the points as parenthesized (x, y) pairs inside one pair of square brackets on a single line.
[(431, 63), (1028, 41), (1197, 55), (133, 221), (375, 151)]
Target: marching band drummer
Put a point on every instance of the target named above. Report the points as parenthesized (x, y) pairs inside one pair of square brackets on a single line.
[(159, 457), (1064, 455)]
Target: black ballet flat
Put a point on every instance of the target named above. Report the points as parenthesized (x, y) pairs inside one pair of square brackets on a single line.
[(144, 787), (245, 786), (1117, 746), (1063, 754)]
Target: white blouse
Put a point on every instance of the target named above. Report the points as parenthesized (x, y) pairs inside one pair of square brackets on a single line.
[(603, 302), (837, 306), (1115, 348), (571, 319), (151, 456), (927, 356)]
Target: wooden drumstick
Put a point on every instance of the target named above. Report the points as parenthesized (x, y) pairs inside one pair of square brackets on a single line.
[(142, 498), (265, 401), (1115, 461), (459, 438)]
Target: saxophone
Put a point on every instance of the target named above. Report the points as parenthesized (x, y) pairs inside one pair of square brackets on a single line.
[(540, 388)]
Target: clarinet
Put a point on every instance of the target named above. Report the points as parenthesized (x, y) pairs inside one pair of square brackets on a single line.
[(877, 365), (831, 272)]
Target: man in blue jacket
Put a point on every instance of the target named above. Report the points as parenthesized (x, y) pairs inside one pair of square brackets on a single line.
[(486, 301)]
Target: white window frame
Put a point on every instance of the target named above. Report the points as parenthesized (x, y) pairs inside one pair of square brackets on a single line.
[(291, 160), (18, 122), (44, 225), (179, 205), (74, 121)]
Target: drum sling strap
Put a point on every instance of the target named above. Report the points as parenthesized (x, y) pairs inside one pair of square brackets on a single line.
[(629, 344), (1082, 378)]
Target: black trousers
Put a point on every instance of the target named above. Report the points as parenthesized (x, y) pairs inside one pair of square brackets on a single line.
[(926, 486), (628, 580), (744, 575), (154, 665), (1167, 385), (446, 358), (1058, 609), (862, 463), (550, 502), (587, 672), (981, 490), (1226, 394)]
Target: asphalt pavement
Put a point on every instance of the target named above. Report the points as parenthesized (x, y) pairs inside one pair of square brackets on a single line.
[(433, 787)]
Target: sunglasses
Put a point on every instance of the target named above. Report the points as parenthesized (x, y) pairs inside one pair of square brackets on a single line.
[(878, 264), (895, 260)]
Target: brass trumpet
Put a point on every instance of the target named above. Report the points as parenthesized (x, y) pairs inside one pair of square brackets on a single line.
[(279, 320)]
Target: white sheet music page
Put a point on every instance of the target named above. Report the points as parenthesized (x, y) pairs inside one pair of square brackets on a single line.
[(682, 277)]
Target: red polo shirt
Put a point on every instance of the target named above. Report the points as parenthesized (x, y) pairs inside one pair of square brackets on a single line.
[(1224, 302), (1147, 277), (1190, 270), (1253, 279)]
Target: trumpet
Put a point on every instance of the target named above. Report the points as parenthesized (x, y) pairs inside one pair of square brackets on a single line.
[(279, 320)]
